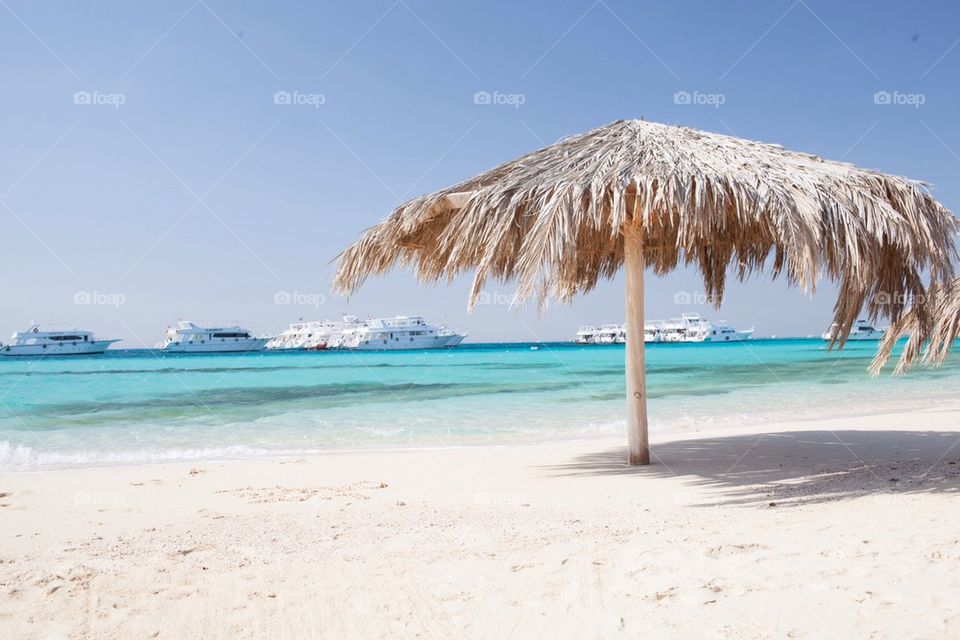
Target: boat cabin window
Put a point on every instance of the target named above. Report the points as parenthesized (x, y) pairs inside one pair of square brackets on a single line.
[(65, 338), (231, 335)]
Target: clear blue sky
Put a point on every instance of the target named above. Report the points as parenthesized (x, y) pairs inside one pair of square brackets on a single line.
[(200, 197)]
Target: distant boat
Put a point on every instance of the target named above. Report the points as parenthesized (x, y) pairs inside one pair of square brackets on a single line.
[(376, 334), (395, 334), (612, 334), (690, 327), (189, 337), (34, 342), (861, 331), (652, 332), (602, 334), (311, 336)]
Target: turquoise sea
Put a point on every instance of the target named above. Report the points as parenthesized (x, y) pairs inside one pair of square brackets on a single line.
[(139, 406)]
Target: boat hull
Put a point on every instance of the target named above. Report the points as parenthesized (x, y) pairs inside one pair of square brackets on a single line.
[(416, 343), (240, 346), (454, 340), (78, 348), (735, 336), (872, 336)]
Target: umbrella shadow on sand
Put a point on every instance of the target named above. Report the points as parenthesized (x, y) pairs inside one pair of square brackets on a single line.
[(797, 467)]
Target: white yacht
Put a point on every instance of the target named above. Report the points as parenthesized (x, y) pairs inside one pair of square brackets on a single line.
[(392, 334), (611, 334), (862, 330), (615, 334), (308, 336), (601, 334), (189, 337), (586, 334), (653, 332), (34, 342), (691, 327)]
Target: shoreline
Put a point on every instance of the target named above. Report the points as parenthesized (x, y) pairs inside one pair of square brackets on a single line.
[(666, 434), (726, 530)]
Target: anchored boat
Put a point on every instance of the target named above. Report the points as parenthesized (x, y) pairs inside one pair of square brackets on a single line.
[(689, 327), (376, 334), (34, 342), (398, 333), (602, 334), (189, 337), (311, 336), (861, 331)]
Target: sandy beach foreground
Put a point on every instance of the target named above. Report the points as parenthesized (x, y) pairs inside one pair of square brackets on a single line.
[(833, 529)]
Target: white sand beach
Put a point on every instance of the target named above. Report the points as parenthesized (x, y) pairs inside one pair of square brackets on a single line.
[(832, 529)]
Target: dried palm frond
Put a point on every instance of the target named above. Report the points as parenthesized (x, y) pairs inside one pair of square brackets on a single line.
[(932, 324), (553, 220)]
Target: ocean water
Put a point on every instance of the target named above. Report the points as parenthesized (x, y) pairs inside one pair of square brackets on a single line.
[(141, 406)]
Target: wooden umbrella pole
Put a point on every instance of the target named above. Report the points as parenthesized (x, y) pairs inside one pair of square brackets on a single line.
[(637, 441)]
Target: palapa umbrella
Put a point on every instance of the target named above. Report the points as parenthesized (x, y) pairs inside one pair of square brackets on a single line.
[(650, 195), (932, 324)]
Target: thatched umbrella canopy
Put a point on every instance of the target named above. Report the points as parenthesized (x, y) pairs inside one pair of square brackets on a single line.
[(648, 195), (932, 324)]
